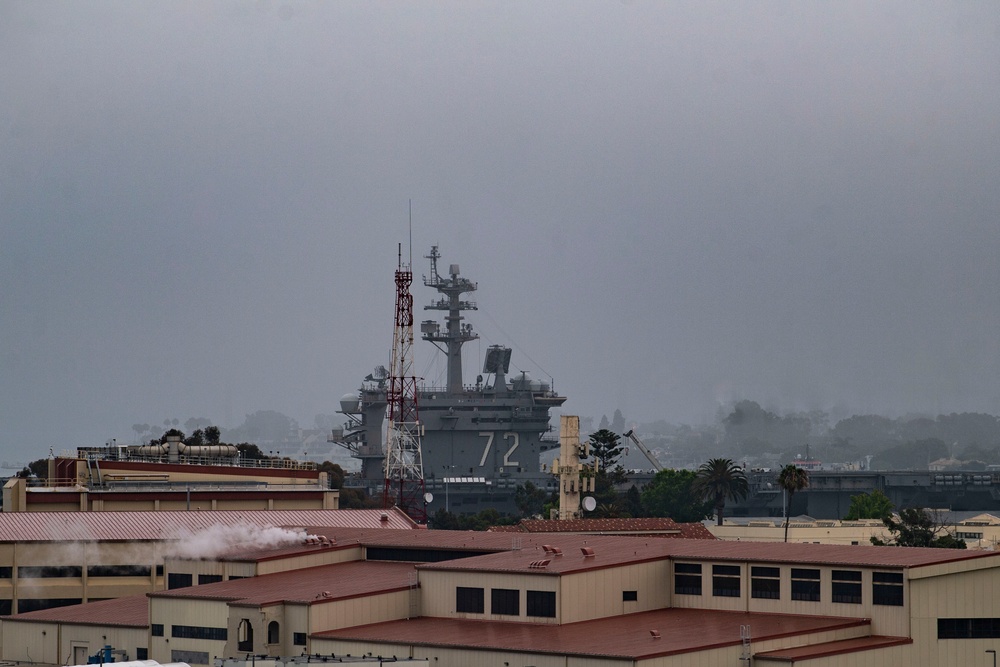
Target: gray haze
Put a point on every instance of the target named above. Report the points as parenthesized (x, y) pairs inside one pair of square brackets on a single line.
[(667, 206)]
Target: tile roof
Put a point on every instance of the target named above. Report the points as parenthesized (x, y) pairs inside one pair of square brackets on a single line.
[(126, 612), (626, 636), (165, 525), (313, 585)]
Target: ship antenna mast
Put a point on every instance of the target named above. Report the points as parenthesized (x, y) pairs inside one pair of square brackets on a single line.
[(404, 470)]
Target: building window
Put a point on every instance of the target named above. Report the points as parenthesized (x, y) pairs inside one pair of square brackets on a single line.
[(299, 638), (541, 604), (156, 629), (846, 586), (968, 536), (118, 571), (505, 601), (805, 584), (469, 600), (209, 578), (6, 607), (198, 632), (177, 580), (887, 588), (141, 653), (49, 571), (630, 596), (765, 583), (273, 633), (969, 628), (687, 578), (6, 572), (726, 581), (244, 635)]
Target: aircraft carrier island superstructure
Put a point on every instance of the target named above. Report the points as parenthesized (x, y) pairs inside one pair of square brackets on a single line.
[(480, 441)]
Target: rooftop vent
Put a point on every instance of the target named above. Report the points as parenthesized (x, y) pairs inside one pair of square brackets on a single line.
[(385, 517), (539, 564), (588, 552), (655, 634)]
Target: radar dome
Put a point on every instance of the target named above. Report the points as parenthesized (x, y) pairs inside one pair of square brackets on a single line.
[(350, 403)]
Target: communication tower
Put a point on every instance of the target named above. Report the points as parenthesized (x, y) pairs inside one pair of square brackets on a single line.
[(404, 469)]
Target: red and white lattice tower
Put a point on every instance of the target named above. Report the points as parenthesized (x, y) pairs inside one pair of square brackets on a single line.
[(404, 468)]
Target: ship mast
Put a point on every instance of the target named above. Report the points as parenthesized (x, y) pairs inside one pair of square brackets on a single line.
[(404, 470), (456, 333)]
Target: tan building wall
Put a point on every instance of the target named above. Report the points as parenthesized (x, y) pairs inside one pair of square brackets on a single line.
[(360, 611), (820, 532), (61, 643), (172, 612), (974, 594), (84, 559), (886, 620), (438, 590), (600, 593)]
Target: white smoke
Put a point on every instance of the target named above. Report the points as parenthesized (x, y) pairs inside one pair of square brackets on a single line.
[(219, 539)]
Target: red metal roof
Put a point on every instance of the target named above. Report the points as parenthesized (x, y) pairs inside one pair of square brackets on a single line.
[(126, 612), (506, 552), (833, 648), (313, 585), (130, 526), (627, 636)]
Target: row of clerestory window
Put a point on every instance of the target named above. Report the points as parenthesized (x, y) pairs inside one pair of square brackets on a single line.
[(765, 583)]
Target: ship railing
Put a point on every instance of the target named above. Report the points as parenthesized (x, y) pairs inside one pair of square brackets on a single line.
[(280, 463)]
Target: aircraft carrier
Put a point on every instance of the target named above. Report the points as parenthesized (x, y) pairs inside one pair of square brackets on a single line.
[(480, 440)]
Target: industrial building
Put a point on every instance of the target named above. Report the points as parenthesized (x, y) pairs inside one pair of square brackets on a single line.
[(170, 477), (576, 600), (54, 559)]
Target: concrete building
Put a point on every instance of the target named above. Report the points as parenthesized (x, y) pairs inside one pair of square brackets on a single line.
[(577, 600)]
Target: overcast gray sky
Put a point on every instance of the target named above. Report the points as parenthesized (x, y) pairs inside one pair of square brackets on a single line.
[(667, 206)]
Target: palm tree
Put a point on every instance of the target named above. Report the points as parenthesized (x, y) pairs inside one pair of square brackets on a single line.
[(719, 479), (791, 478)]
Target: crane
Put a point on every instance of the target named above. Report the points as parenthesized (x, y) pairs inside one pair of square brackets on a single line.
[(630, 434)]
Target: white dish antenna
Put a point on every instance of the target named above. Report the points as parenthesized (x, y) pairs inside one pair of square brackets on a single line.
[(589, 503)]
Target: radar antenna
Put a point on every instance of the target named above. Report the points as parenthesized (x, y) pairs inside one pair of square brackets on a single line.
[(404, 470)]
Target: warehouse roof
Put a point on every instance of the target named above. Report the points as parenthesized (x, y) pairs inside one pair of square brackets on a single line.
[(126, 612), (167, 525), (629, 636), (565, 552), (311, 585)]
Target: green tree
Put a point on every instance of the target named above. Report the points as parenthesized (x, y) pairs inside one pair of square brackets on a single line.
[(670, 494), (792, 479), (530, 500), (605, 448), (335, 474), (917, 528), (872, 505), (213, 435), (719, 480), (356, 499)]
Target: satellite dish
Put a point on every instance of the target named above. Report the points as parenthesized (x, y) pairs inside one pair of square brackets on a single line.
[(589, 503), (428, 497)]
